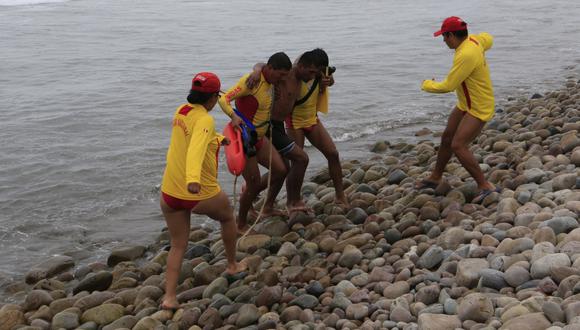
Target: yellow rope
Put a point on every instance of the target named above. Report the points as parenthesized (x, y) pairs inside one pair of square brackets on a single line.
[(267, 191)]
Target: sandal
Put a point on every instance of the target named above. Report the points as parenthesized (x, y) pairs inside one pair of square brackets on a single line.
[(483, 194)]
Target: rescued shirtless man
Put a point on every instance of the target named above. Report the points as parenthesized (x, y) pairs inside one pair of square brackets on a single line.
[(287, 93)]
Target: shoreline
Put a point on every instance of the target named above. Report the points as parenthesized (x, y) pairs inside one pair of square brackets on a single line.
[(399, 258)]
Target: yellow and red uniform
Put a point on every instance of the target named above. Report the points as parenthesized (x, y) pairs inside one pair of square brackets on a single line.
[(257, 101), (193, 154), (469, 78), (305, 115)]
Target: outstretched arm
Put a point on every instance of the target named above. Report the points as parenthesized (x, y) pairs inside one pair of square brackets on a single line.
[(463, 65)]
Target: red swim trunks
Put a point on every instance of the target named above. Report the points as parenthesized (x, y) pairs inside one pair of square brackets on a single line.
[(178, 204), (309, 129), (260, 143)]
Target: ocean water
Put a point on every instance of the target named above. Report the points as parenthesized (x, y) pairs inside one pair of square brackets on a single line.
[(88, 89)]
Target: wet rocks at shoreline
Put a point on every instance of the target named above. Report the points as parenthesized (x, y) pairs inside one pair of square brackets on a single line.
[(398, 259)]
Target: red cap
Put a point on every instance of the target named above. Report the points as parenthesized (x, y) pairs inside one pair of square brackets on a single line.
[(206, 82), (451, 24)]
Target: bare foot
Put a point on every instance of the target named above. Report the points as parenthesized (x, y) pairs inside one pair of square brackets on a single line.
[(236, 268), (241, 224), (246, 230), (342, 202), (299, 203), (426, 184), (487, 186), (243, 230), (292, 210), (273, 212), (170, 303)]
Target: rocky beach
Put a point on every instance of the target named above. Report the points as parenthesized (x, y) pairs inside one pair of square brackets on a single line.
[(398, 259)]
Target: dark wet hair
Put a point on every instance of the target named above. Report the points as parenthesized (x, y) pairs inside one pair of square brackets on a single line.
[(459, 34), (197, 97), (321, 58), (309, 59), (280, 61)]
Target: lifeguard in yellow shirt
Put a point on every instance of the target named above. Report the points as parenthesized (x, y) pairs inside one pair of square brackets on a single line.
[(470, 79), (190, 181), (255, 105)]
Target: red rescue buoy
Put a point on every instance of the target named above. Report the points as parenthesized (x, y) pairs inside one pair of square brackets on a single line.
[(235, 157)]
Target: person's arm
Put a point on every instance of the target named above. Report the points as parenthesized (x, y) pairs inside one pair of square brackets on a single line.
[(203, 132), (463, 65), (325, 81), (255, 76), (238, 90)]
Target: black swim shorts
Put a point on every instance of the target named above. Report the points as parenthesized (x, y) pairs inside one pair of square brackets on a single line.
[(281, 141)]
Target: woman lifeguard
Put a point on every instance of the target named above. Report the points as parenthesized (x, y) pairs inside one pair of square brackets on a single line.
[(190, 180)]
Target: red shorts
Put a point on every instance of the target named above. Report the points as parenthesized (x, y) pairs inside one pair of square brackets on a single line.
[(309, 129), (178, 204), (260, 143)]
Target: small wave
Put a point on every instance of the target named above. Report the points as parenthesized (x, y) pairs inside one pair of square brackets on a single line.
[(371, 129), (28, 2)]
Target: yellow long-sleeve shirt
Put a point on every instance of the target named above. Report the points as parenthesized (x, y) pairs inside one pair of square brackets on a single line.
[(193, 154), (469, 78), (262, 95)]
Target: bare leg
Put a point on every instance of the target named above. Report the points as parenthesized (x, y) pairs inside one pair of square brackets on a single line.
[(219, 208), (467, 131), (275, 187), (320, 139), (445, 151), (178, 224), (297, 135), (299, 163), (251, 175), (279, 170)]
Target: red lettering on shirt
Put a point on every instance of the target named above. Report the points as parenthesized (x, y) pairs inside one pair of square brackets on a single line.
[(229, 96), (180, 123)]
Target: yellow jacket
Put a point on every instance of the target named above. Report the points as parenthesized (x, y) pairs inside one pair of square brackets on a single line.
[(469, 78), (192, 155), (262, 95)]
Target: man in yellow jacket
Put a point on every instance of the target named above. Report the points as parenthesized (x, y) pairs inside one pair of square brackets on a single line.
[(469, 78)]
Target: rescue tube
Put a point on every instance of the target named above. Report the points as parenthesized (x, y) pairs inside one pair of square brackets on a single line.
[(235, 157)]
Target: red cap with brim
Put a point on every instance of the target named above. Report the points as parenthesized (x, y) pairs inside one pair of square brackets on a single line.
[(451, 24), (206, 82)]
